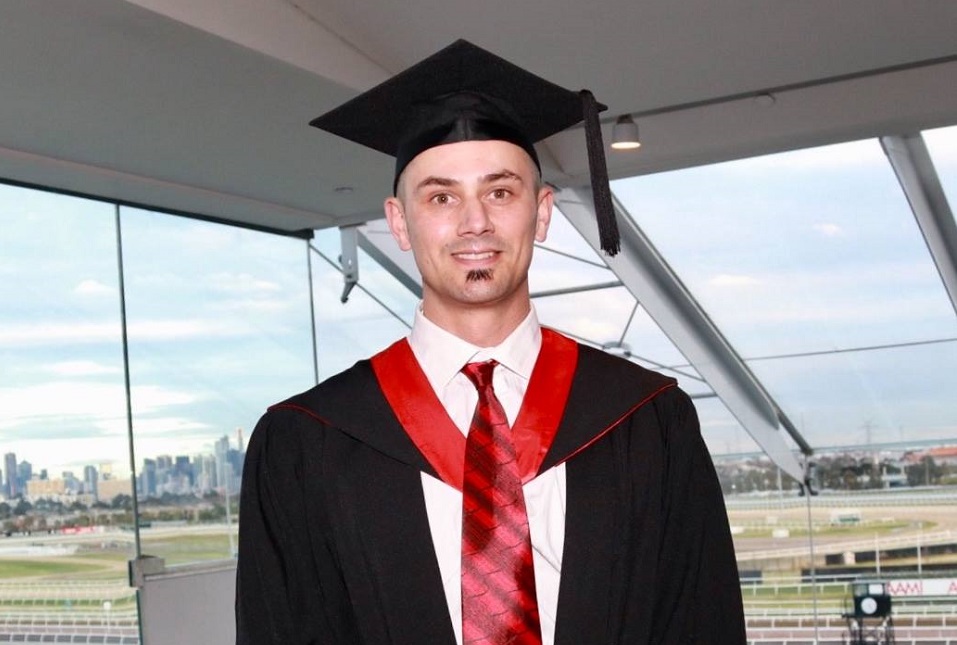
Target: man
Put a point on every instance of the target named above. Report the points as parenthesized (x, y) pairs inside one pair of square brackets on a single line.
[(372, 510)]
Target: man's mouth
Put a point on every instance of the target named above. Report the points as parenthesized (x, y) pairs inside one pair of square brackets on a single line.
[(475, 257)]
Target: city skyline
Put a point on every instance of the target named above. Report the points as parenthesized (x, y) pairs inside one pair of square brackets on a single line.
[(204, 471)]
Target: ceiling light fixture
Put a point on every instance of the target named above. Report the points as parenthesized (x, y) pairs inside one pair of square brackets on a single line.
[(624, 136)]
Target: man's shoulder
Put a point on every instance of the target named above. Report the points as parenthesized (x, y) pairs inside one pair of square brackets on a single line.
[(335, 391), (603, 367)]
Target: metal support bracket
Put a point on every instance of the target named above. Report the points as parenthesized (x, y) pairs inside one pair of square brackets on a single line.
[(143, 566), (349, 258)]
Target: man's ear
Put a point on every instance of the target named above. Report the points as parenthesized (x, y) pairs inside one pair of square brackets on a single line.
[(546, 199), (395, 216)]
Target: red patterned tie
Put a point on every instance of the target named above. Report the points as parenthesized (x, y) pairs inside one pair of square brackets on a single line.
[(498, 582)]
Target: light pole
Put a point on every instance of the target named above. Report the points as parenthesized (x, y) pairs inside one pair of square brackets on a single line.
[(920, 539)]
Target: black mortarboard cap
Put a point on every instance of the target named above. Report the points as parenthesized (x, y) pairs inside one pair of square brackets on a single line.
[(465, 93)]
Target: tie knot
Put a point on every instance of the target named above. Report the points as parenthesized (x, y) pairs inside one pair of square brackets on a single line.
[(480, 373)]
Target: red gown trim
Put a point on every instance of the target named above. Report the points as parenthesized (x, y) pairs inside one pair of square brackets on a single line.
[(421, 414)]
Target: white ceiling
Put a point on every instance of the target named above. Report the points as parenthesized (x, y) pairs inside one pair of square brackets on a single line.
[(202, 106)]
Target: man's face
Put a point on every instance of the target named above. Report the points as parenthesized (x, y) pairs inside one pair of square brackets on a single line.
[(471, 212)]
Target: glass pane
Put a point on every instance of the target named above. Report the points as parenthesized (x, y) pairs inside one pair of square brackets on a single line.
[(565, 260), (942, 144), (721, 431), (608, 317), (65, 484), (813, 267), (365, 324), (598, 317), (219, 328), (569, 284)]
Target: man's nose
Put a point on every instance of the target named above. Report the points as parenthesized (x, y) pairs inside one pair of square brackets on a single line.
[(475, 218)]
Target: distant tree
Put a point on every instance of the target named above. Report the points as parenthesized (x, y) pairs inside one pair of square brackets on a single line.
[(850, 478), (926, 472), (5, 511), (23, 507), (25, 522), (215, 514), (874, 478)]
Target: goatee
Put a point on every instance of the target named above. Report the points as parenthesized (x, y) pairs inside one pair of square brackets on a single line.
[(477, 275)]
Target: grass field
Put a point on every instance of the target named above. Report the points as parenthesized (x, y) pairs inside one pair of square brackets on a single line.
[(51, 568), (836, 530), (90, 563), (185, 549)]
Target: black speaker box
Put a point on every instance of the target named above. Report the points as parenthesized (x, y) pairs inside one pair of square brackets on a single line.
[(877, 605)]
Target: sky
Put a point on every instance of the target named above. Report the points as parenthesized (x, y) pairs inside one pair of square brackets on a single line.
[(809, 262), (816, 253)]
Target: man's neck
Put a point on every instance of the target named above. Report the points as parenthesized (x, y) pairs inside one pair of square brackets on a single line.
[(480, 326)]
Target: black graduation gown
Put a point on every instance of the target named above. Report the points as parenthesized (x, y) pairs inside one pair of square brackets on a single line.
[(334, 539)]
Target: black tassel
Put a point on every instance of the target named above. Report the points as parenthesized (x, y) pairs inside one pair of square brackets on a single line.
[(601, 191)]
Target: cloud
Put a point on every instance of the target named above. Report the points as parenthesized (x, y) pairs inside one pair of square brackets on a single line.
[(258, 306), (164, 330), (81, 368), (856, 154), (828, 229), (73, 453), (93, 288), (103, 405), (731, 280), (59, 333), (166, 428), (51, 333), (243, 283)]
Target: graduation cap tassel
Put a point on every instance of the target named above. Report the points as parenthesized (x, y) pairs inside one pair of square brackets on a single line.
[(601, 191)]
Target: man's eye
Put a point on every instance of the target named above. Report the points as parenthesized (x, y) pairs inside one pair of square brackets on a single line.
[(500, 193), (441, 198)]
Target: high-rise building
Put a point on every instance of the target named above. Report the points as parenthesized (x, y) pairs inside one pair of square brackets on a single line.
[(147, 487), (72, 484), (10, 471), (24, 474), (223, 469), (184, 469), (90, 481), (204, 473)]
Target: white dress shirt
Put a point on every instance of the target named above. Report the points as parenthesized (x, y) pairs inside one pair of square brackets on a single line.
[(441, 356)]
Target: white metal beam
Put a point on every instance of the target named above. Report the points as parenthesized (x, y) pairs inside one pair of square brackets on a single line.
[(915, 170), (649, 278)]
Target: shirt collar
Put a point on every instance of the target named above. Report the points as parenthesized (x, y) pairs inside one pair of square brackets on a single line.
[(442, 354)]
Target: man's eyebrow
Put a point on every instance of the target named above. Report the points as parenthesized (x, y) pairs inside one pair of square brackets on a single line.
[(445, 182), (433, 180), (500, 175)]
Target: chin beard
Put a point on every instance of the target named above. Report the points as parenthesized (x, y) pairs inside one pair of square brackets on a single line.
[(478, 275)]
